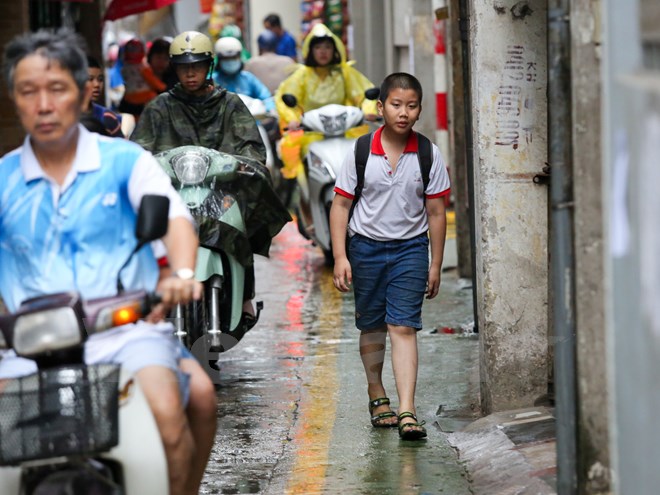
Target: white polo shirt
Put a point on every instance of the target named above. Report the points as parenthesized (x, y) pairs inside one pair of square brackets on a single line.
[(392, 203)]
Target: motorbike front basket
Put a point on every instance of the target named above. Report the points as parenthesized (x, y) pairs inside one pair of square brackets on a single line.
[(59, 412)]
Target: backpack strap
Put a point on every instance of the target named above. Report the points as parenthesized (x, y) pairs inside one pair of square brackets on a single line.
[(362, 151), (425, 157)]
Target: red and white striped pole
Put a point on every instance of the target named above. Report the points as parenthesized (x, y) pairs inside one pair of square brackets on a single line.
[(441, 75)]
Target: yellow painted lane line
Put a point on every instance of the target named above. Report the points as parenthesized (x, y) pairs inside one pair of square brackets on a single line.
[(318, 406), (451, 224)]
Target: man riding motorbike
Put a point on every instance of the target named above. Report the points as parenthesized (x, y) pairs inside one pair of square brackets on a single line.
[(326, 77), (195, 112), (68, 215)]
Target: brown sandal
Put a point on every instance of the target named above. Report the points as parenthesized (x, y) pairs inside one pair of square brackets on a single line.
[(377, 419)]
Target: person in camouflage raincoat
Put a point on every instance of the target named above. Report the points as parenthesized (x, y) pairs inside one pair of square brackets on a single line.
[(197, 113)]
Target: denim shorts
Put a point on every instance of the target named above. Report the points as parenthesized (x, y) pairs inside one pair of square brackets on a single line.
[(389, 281)]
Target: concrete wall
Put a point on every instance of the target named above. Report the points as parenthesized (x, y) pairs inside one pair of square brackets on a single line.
[(508, 60), (593, 448)]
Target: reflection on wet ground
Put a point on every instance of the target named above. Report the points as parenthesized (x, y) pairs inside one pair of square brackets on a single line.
[(292, 415)]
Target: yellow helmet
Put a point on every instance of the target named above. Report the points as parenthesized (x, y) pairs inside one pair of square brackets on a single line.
[(190, 47)]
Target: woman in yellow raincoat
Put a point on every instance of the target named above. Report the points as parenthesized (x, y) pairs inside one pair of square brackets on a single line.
[(326, 77)]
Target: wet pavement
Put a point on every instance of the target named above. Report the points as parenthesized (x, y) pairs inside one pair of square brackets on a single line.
[(292, 394)]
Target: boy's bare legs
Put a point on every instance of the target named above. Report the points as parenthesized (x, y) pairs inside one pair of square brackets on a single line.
[(202, 417), (372, 353), (404, 365)]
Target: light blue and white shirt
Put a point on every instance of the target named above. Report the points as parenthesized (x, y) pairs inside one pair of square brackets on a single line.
[(77, 236)]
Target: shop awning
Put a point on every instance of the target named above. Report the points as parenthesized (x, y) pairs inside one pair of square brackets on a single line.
[(123, 8)]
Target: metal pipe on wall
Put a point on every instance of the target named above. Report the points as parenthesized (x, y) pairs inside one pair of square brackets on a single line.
[(562, 258), (464, 27)]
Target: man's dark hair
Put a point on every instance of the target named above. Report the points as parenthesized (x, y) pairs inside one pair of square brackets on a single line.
[(399, 80), (273, 20), (62, 46), (92, 63), (159, 45), (267, 41)]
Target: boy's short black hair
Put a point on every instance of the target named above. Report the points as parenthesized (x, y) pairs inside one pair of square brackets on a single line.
[(399, 80)]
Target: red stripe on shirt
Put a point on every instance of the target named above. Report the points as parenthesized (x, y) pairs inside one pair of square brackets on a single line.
[(377, 144), (341, 192), (439, 195)]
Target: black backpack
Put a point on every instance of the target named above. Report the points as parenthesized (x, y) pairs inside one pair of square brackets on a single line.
[(362, 150)]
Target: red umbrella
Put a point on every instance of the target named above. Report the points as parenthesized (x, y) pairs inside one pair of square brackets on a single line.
[(122, 8)]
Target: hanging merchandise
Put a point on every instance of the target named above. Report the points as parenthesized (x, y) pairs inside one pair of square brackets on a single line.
[(335, 18), (333, 13), (226, 12)]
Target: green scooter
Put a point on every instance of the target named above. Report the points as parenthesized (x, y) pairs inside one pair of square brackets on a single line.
[(237, 214)]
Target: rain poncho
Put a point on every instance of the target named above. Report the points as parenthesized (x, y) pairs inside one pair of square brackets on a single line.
[(245, 83), (315, 87), (219, 121)]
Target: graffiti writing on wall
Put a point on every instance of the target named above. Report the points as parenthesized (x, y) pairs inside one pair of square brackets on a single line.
[(512, 99)]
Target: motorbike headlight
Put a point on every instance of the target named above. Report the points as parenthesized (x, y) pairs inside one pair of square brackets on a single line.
[(335, 124), (44, 331), (317, 164), (190, 168)]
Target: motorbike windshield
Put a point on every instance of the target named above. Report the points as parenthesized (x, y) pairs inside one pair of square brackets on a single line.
[(230, 197)]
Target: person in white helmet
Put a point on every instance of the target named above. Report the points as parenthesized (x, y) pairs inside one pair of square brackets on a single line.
[(229, 73)]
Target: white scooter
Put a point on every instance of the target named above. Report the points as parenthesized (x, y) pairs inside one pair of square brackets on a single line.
[(73, 428), (322, 163)]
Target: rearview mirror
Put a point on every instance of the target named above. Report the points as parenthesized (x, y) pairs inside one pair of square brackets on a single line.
[(372, 93), (290, 100), (152, 221), (153, 217)]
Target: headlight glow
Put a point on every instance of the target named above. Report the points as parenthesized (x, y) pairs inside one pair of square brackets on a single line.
[(190, 168), (48, 330), (317, 164)]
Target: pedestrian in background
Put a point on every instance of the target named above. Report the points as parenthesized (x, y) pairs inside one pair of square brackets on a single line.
[(141, 85), (286, 43), (269, 67), (388, 249), (109, 122), (158, 58)]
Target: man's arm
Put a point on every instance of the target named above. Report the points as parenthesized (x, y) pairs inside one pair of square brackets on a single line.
[(181, 243), (435, 209), (241, 133), (342, 276), (145, 133)]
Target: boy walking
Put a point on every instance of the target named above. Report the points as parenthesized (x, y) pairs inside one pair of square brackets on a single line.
[(389, 231)]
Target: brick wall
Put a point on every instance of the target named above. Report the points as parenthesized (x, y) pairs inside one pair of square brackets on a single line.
[(14, 20)]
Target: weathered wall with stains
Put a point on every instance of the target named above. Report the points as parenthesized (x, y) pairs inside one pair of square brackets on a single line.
[(593, 449), (508, 60)]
